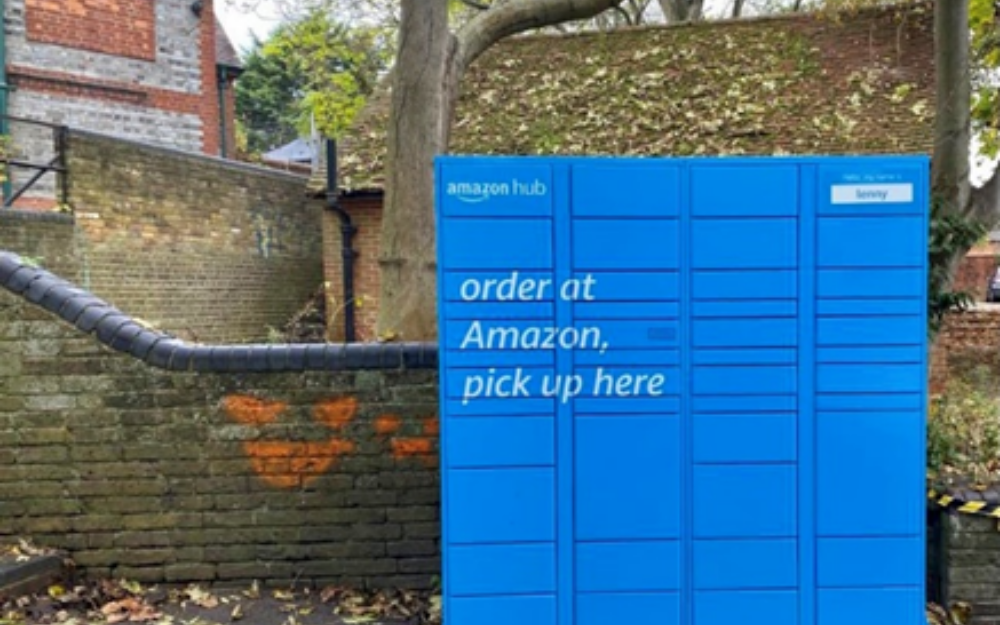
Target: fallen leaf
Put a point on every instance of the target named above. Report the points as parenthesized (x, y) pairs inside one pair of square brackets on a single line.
[(237, 612), (284, 595), (254, 591)]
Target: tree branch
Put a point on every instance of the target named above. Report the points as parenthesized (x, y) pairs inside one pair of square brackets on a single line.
[(479, 6), (984, 202), (517, 16)]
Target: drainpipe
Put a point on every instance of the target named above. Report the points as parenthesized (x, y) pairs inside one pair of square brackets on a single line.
[(4, 92), (347, 231), (222, 109)]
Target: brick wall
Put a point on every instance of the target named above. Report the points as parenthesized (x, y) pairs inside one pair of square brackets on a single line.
[(323, 477), (130, 69), (970, 567), (966, 341), (975, 272), (118, 28), (366, 216), (208, 249)]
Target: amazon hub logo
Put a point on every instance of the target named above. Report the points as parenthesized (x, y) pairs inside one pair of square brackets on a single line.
[(476, 192)]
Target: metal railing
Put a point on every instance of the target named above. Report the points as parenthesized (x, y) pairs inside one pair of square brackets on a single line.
[(56, 164)]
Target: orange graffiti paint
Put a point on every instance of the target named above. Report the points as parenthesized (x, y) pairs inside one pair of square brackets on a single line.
[(387, 424), (291, 464), (402, 447), (420, 448), (336, 412), (431, 426), (251, 410)]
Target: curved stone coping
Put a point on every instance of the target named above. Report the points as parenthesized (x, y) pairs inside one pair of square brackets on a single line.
[(122, 333)]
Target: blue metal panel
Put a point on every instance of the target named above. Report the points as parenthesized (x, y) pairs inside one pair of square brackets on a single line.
[(743, 501), (503, 610), (503, 569), (475, 244), (745, 564), (760, 308), (642, 287), (736, 244), (500, 442), (856, 331), (870, 242), (763, 191), (758, 380), (501, 505), (876, 282), (602, 609), (744, 404), (723, 438), (597, 191), (883, 448), (747, 607), (641, 565), (893, 561), (744, 285), (724, 354), (638, 244), (745, 333), (871, 606), (610, 504)]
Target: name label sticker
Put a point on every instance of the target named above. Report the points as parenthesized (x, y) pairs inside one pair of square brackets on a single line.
[(871, 193)]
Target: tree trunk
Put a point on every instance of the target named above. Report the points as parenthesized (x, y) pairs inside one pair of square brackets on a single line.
[(738, 8), (950, 170), (417, 132), (429, 68)]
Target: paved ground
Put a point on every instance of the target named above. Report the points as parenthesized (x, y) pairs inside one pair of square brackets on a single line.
[(35, 589), (108, 602)]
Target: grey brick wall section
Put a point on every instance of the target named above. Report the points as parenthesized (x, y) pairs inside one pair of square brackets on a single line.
[(177, 66)]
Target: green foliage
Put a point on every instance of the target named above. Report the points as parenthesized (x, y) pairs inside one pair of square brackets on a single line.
[(963, 430), (985, 59), (950, 236), (312, 70)]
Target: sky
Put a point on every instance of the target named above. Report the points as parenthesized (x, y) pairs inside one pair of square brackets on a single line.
[(241, 21)]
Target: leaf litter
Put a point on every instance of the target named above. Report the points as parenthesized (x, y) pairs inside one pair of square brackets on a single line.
[(124, 601)]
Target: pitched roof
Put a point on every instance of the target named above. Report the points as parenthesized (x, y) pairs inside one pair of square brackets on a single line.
[(225, 53), (860, 82)]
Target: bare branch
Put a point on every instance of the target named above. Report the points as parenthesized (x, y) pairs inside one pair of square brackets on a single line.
[(984, 203), (517, 16), (479, 6)]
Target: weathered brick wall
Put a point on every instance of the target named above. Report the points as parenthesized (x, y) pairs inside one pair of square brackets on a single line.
[(366, 216), (50, 239), (970, 565), (975, 272), (966, 341), (323, 477), (207, 249)]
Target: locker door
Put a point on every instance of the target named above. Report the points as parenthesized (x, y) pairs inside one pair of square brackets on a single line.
[(627, 462), (499, 483), (870, 336), (744, 342)]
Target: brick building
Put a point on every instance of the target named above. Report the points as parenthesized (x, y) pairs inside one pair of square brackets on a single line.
[(156, 71), (860, 82)]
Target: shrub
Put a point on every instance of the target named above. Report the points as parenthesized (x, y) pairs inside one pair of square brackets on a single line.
[(963, 429)]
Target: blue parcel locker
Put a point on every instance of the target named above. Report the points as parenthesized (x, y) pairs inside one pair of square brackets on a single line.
[(663, 382)]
